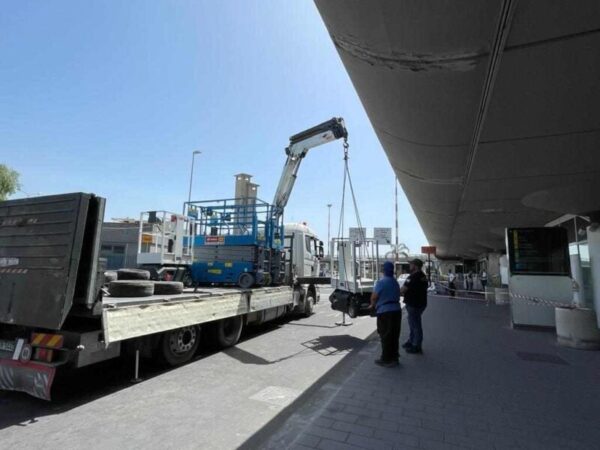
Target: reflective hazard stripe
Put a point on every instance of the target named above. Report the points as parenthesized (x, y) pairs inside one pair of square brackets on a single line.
[(47, 340), (54, 341)]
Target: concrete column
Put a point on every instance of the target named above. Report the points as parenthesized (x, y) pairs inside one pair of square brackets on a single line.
[(578, 296), (493, 272), (593, 235)]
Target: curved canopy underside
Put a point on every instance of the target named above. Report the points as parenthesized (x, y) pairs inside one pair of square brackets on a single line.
[(489, 111)]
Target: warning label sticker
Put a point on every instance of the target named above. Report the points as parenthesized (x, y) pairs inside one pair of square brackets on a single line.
[(215, 240)]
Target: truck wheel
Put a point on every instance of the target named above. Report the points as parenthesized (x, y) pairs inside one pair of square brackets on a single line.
[(133, 274), (229, 331), (246, 280), (131, 288), (179, 346), (168, 287), (309, 305)]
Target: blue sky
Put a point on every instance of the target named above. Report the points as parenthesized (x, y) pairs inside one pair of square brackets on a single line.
[(112, 97)]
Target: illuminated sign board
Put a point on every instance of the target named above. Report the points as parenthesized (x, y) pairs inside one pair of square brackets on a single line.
[(538, 251)]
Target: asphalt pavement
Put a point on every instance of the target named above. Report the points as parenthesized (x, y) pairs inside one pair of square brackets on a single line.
[(479, 384), (219, 400)]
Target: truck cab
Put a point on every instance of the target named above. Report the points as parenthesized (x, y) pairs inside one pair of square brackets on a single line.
[(304, 250)]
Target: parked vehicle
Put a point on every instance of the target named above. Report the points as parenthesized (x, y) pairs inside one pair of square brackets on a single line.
[(57, 311)]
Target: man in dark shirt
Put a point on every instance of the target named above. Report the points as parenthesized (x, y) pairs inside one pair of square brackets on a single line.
[(386, 301), (414, 291)]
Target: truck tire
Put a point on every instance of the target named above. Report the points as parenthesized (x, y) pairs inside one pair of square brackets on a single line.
[(131, 288), (133, 274), (178, 346), (110, 275), (229, 331), (246, 280), (168, 287), (309, 304)]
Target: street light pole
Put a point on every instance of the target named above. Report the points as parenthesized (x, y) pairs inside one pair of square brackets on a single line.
[(194, 153), (329, 205)]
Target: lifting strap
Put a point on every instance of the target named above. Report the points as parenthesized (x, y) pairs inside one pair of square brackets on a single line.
[(347, 180)]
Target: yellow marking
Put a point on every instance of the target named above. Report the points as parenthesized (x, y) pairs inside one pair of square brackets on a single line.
[(38, 338), (216, 271), (54, 340), (228, 264)]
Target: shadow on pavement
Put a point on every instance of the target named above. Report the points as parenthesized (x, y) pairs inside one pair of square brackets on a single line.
[(325, 345), (333, 345), (310, 325)]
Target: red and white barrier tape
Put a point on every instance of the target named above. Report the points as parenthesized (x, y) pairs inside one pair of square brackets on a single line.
[(452, 293)]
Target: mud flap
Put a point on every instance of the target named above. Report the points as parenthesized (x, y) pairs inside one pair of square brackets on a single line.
[(29, 377)]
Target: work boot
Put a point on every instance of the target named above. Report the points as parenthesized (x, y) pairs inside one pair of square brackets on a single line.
[(387, 364), (407, 344)]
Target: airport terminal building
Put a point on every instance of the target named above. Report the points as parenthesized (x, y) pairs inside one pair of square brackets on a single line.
[(489, 115)]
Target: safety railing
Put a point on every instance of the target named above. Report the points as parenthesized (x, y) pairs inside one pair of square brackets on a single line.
[(165, 238)]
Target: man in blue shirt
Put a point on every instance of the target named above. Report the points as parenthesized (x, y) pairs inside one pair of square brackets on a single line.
[(386, 301)]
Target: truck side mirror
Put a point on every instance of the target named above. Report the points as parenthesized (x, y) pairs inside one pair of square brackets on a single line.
[(321, 253)]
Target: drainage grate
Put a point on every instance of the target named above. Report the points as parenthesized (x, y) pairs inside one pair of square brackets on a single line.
[(542, 357)]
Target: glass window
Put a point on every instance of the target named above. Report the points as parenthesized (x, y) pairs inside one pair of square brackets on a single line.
[(307, 242)]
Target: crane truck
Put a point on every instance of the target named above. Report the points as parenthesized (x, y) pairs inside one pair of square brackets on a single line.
[(56, 314), (240, 240)]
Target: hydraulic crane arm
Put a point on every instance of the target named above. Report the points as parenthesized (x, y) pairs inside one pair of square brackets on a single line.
[(299, 146)]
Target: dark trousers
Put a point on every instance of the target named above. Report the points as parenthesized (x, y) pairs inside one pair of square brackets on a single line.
[(388, 327), (415, 325), (452, 288)]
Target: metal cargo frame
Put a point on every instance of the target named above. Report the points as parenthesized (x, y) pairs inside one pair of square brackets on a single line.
[(49, 250)]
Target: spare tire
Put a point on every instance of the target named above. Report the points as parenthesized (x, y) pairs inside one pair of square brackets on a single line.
[(168, 287), (133, 274), (131, 288), (110, 275)]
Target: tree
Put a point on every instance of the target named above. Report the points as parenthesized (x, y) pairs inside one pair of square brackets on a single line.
[(9, 182)]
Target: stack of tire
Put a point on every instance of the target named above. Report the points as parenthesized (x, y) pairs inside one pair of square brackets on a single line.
[(137, 283)]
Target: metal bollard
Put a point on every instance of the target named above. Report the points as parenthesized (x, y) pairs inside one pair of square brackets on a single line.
[(136, 378), (343, 323)]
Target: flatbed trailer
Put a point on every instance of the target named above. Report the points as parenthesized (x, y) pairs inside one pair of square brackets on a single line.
[(132, 317), (55, 313)]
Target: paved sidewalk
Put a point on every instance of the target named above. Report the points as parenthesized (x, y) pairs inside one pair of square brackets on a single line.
[(479, 384)]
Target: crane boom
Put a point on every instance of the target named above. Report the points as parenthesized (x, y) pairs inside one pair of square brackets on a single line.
[(299, 146)]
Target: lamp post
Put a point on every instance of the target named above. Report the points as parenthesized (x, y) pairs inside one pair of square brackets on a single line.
[(194, 153), (329, 205)]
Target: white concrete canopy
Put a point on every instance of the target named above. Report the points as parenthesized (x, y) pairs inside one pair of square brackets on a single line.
[(489, 111)]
